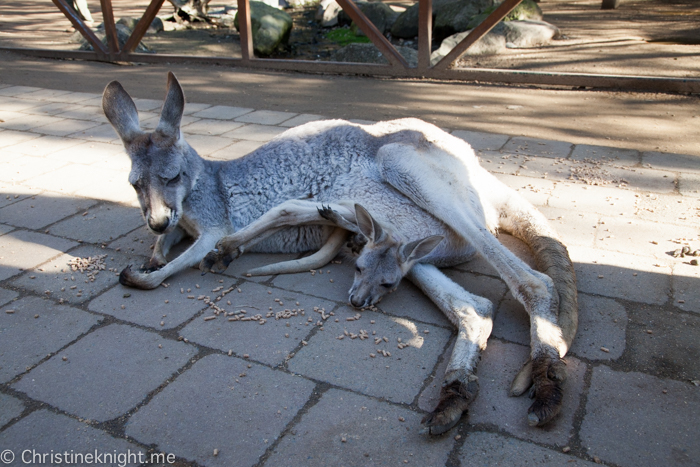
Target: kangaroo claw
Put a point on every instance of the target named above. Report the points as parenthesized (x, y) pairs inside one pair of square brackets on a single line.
[(454, 401), (217, 261), (548, 376)]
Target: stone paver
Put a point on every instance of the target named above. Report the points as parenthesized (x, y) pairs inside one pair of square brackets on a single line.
[(64, 194), (57, 279), (9, 409), (106, 373), (36, 328), (161, 308), (499, 364), (280, 336), (349, 363), (348, 429), (21, 249), (46, 432), (221, 404), (492, 450), (633, 419)]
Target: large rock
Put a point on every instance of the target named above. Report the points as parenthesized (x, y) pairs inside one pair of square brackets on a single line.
[(123, 34), (524, 34), (491, 44), (379, 14), (452, 16), (270, 27), (327, 13), (368, 53)]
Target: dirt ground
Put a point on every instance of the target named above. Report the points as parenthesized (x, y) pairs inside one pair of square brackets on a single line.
[(641, 37)]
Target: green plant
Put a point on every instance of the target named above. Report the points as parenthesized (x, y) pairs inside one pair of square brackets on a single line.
[(345, 36)]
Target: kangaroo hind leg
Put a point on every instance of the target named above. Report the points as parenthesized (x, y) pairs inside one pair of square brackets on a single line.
[(473, 317)]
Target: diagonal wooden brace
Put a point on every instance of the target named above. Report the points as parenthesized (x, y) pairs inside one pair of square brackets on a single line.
[(477, 33), (78, 24), (377, 38), (141, 27)]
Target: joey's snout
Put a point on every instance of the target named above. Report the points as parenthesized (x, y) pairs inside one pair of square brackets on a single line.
[(159, 219)]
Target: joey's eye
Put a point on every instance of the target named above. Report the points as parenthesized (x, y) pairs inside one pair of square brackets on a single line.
[(174, 180), (388, 285), (357, 268)]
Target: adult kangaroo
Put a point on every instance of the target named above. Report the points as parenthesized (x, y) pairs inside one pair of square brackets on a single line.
[(401, 170)]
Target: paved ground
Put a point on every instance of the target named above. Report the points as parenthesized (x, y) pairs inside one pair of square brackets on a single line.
[(88, 366)]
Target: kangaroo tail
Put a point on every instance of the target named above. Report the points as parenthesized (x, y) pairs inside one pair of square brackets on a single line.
[(522, 220)]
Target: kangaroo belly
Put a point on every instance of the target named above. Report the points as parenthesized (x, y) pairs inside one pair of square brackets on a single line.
[(294, 240)]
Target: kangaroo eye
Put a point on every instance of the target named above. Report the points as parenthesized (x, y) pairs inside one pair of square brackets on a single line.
[(357, 268), (174, 180), (388, 285)]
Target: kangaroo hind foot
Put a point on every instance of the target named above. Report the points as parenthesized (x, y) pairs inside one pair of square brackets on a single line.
[(455, 398), (548, 376)]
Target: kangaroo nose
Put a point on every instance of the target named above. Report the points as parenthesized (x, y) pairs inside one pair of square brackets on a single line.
[(158, 226), (356, 302)]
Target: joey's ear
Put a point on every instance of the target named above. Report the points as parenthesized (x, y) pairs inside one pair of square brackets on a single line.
[(121, 112), (173, 107), (415, 251), (368, 226)]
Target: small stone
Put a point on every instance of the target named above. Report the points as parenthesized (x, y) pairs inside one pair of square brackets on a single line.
[(694, 262), (597, 460), (565, 449), (64, 358)]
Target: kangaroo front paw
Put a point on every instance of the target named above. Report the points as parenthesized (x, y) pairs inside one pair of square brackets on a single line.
[(151, 266), (548, 376), (137, 280), (217, 261), (454, 401)]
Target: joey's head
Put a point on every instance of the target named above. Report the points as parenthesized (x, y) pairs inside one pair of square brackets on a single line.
[(383, 260), (163, 166)]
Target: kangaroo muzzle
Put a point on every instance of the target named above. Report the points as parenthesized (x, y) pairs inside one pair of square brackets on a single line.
[(159, 219)]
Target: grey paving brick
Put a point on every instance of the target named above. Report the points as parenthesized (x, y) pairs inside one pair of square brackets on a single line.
[(25, 167), (558, 169), (348, 363), (301, 119), (84, 112), (497, 162), (193, 107), (145, 105), (21, 250), (138, 242), (574, 228), (538, 147), (66, 127), (26, 340), (46, 432), (89, 181), (99, 224), (631, 235), (74, 97), (536, 191), (107, 372), (28, 122), (671, 162), (483, 286), (266, 117), (630, 421), (103, 133), (266, 343), (612, 274), (236, 150), (643, 179), (87, 152), (210, 126), (602, 324), (686, 293), (12, 193), (209, 407), (430, 395), (10, 137), (5, 229), (360, 121), (44, 94), (151, 123), (7, 115), (222, 112), (208, 144), (43, 145), (409, 302), (482, 141), (618, 156), (149, 307), (56, 277), (9, 409), (39, 211), (491, 449), (669, 209), (689, 184), (499, 365), (18, 90), (663, 343), (374, 433), (601, 200), (6, 296), (254, 132), (14, 104), (319, 284), (51, 108), (248, 261)]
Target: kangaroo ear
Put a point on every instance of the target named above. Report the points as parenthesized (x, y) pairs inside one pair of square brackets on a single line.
[(121, 112), (368, 226), (415, 251), (173, 107)]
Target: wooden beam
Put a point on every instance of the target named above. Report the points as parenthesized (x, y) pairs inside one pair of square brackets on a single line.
[(110, 28), (425, 33), (142, 26), (245, 30), (78, 24)]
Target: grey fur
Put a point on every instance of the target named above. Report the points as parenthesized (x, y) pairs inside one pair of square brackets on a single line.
[(413, 176)]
